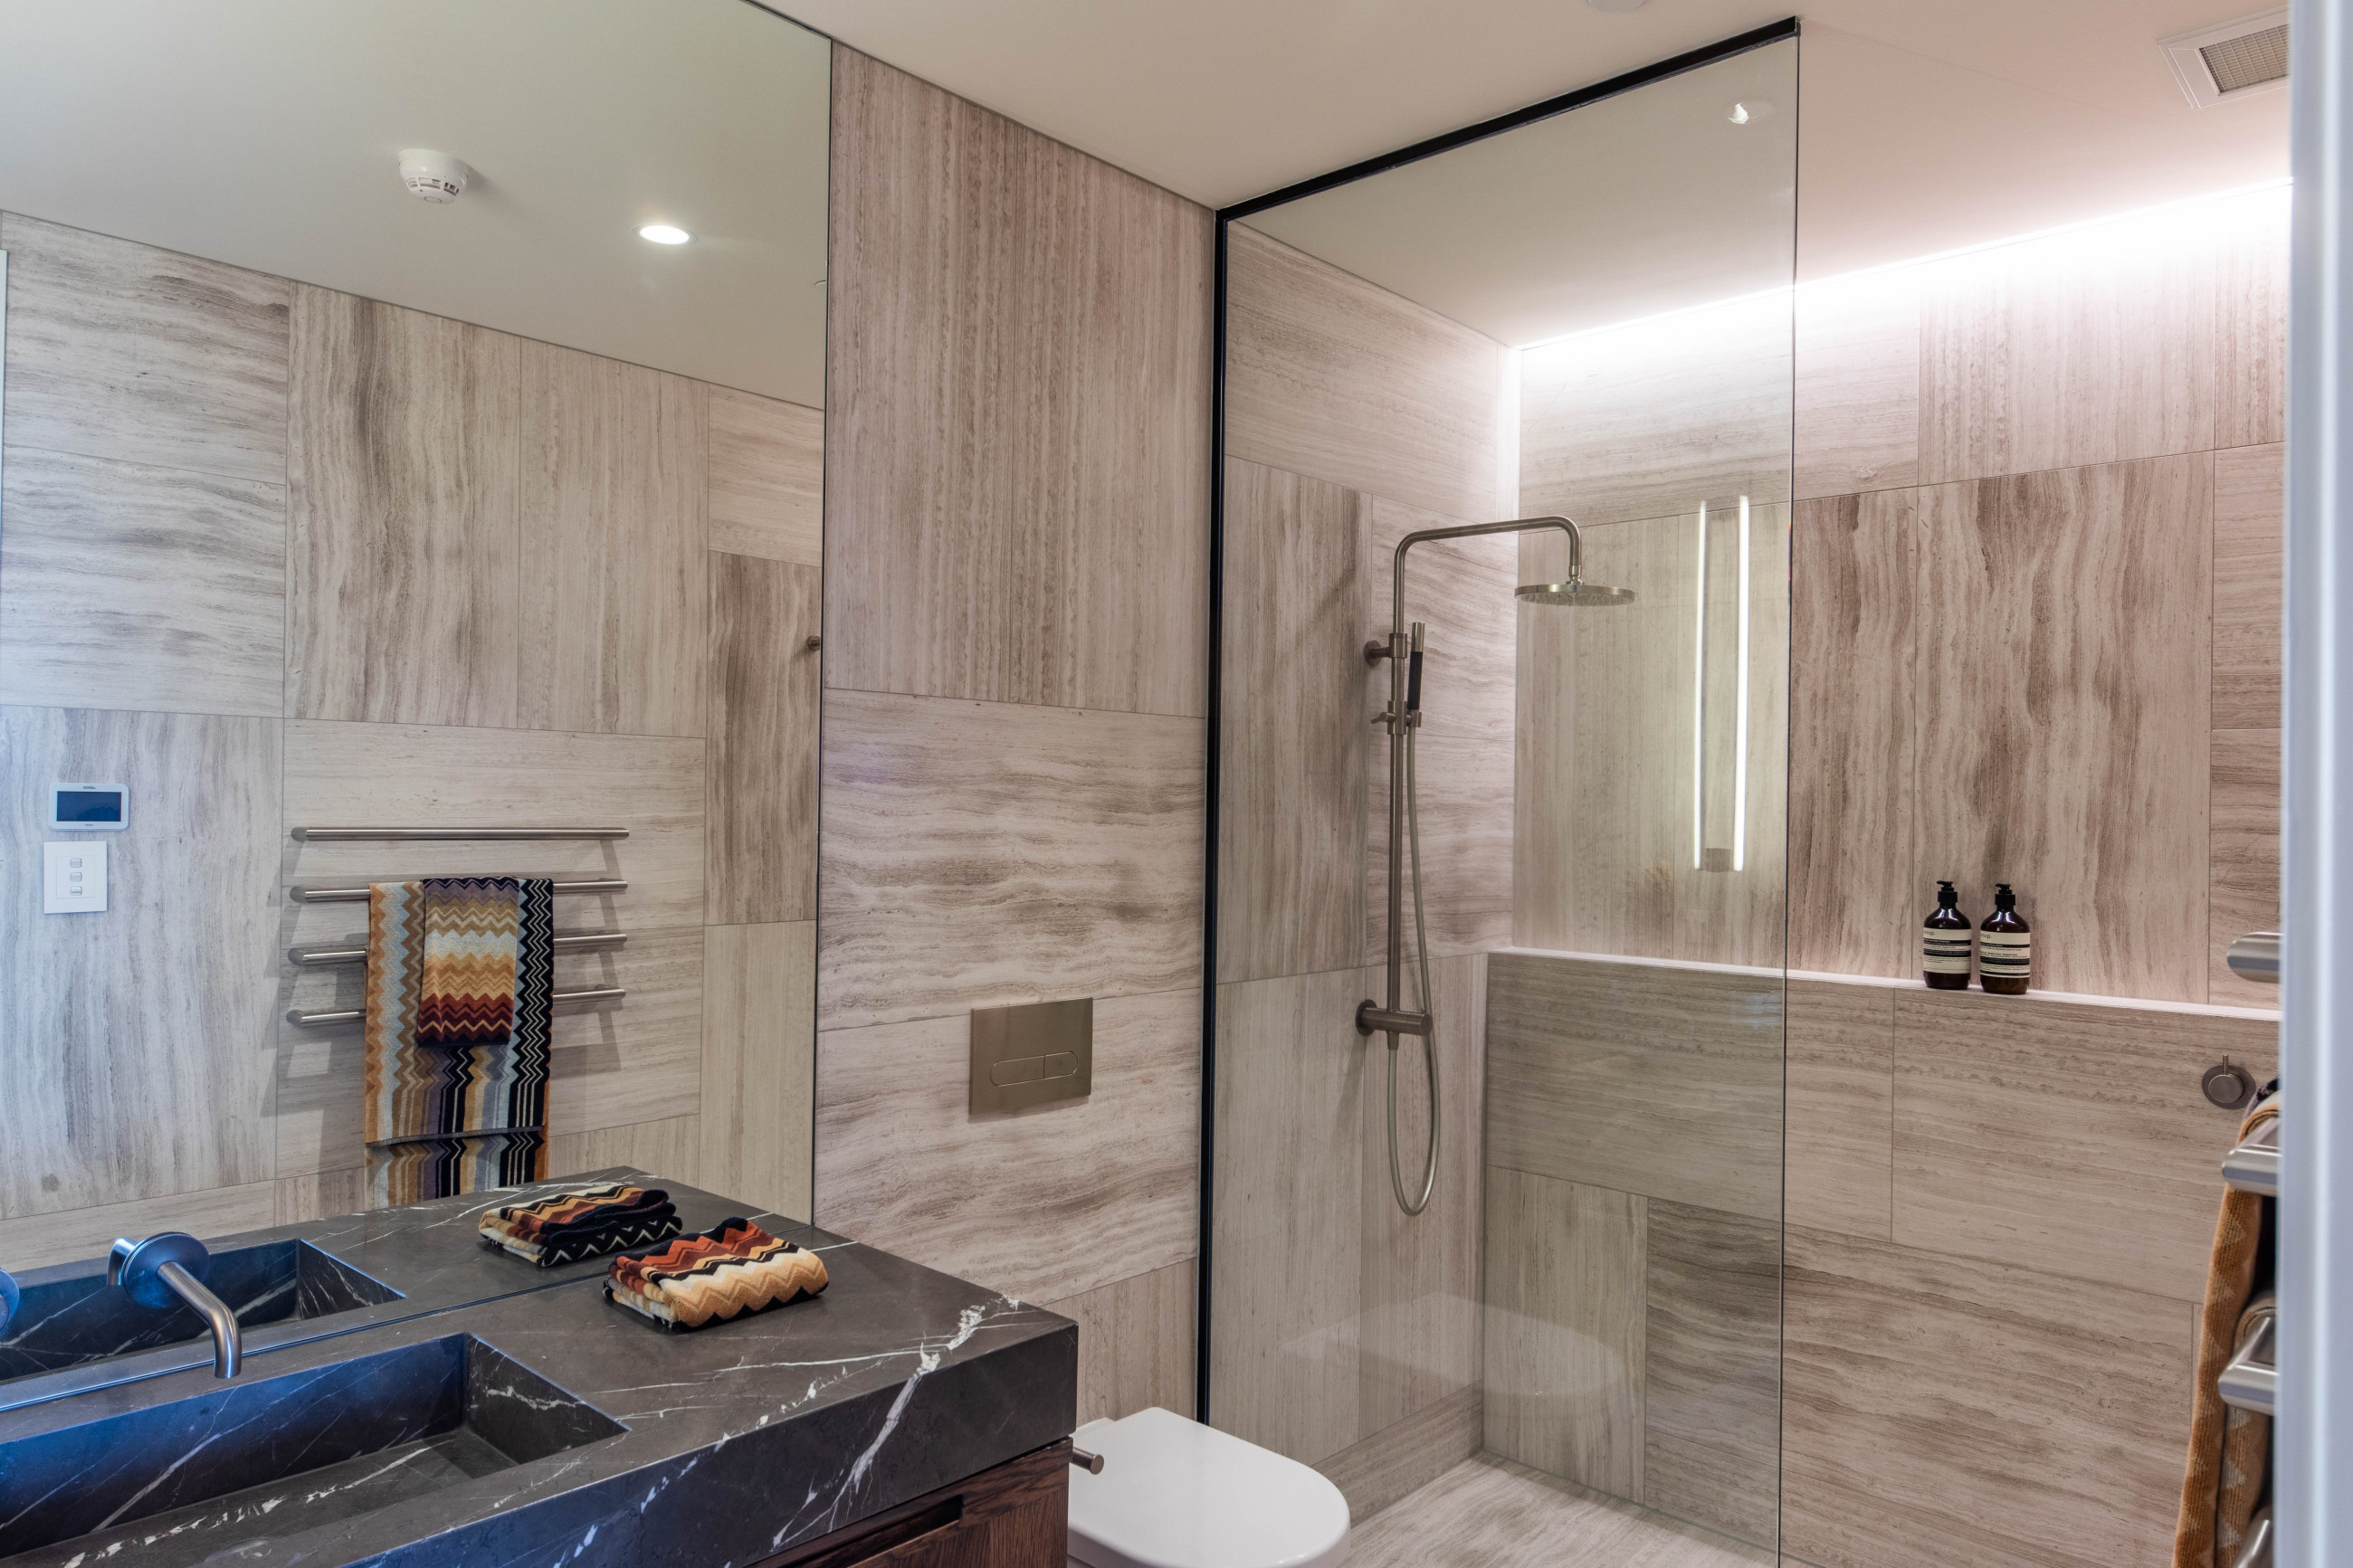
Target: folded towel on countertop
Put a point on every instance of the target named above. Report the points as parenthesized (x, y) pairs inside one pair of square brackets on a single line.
[(445, 1092), (588, 1222), (729, 1271), (2223, 1480)]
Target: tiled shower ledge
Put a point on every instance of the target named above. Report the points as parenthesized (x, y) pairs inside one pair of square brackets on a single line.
[(2143, 1004)]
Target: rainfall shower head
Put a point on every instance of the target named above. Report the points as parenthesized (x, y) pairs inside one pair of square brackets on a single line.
[(1575, 595)]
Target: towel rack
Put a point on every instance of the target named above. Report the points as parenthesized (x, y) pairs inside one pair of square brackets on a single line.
[(320, 956), (359, 895), (2250, 1379), (450, 1137), (320, 1020), (338, 835), (2256, 956), (2253, 1165)]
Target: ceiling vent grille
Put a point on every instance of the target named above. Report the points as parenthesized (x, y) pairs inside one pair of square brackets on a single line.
[(2235, 59)]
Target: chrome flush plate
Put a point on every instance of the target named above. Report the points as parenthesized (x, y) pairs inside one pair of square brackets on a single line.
[(1032, 1055)]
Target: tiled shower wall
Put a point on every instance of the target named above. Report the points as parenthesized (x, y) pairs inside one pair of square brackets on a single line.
[(1344, 1334), (274, 556)]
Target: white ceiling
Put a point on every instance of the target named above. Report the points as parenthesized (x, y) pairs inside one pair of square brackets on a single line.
[(1928, 124), (265, 134)]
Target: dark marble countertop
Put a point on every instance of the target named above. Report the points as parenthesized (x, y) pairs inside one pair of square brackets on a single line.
[(591, 1436), (426, 1253)]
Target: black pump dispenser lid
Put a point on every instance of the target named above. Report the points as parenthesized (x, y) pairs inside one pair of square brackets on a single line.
[(1946, 898), (2003, 898)]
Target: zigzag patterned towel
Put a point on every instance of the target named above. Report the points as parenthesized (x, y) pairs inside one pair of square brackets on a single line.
[(729, 1271), (416, 1089), (466, 993), (587, 1223)]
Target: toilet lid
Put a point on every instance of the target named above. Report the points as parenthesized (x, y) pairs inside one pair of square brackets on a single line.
[(1176, 1494)]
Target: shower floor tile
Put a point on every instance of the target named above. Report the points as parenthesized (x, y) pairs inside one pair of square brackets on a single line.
[(1488, 1513)]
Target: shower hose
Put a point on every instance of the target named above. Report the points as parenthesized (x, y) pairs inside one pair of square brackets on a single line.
[(1430, 1034)]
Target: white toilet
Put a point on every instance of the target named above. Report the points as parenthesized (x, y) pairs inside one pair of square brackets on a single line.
[(1176, 1494)]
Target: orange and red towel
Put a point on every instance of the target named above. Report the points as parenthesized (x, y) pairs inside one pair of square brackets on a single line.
[(729, 1271), (588, 1222)]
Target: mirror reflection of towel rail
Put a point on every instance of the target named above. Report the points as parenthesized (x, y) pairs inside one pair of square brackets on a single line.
[(2253, 1165), (359, 895), (320, 956), (326, 835), (2250, 1379), (319, 1020)]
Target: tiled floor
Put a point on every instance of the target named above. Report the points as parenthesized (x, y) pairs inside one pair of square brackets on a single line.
[(1491, 1513)]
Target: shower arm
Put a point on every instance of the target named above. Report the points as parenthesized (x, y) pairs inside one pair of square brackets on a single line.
[(1394, 1019)]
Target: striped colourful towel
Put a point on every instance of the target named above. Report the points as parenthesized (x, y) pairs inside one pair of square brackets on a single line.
[(429, 974), (729, 1271), (586, 1223)]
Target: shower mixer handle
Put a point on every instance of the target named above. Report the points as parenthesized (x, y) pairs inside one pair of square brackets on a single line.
[(1374, 1018)]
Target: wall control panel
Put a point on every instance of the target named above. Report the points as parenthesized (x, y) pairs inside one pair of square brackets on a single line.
[(73, 877), (89, 807)]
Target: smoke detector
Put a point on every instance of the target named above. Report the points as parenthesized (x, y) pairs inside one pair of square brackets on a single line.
[(2233, 60), (433, 176)]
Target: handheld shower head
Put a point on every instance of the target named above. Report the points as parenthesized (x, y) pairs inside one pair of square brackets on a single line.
[(1575, 595)]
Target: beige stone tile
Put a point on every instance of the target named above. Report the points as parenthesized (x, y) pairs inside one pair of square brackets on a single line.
[(140, 356), (1042, 1204), (1461, 590), (404, 574), (1291, 822), (320, 1194), (979, 854), (2243, 869), (128, 586), (1606, 781), (759, 1063), (1418, 1342), (2249, 501), (761, 851), (1858, 382), (1851, 718), (407, 775), (1332, 376), (1374, 1472), (668, 1150), (1136, 1343), (1492, 1513), (1663, 1079), (767, 477), (1288, 1213), (614, 530), (1841, 1065), (1565, 1329), (1017, 507), (2251, 278), (1712, 1369), (2062, 703), (116, 1024), (2064, 1136), (70, 1235), (1465, 806), (1943, 1413), (2066, 351), (1652, 419)]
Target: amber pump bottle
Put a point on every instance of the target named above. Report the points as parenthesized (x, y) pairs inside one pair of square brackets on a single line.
[(1945, 943), (2005, 950)]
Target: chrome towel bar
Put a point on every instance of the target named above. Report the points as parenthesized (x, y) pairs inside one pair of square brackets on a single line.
[(443, 1137), (339, 835), (2253, 1165), (318, 957), (2250, 1379), (319, 1020), (2256, 956), (359, 895)]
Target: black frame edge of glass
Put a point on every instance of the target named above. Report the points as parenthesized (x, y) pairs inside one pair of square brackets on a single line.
[(1708, 53)]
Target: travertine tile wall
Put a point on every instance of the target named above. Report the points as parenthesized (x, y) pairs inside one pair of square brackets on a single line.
[(1017, 545), (276, 555), (2036, 637), (1346, 1334)]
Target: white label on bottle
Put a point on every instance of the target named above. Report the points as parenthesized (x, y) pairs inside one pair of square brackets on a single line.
[(1945, 951), (2004, 955)]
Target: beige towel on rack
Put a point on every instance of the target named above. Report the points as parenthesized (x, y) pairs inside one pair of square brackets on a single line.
[(2218, 1492)]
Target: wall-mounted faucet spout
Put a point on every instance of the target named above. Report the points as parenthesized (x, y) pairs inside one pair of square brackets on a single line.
[(167, 1269)]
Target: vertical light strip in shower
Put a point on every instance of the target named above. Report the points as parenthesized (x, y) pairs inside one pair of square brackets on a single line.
[(1699, 711), (1740, 711)]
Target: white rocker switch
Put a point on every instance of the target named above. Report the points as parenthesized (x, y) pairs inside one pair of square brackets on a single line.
[(73, 877)]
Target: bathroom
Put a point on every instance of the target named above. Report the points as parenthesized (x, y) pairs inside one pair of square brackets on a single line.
[(1217, 736)]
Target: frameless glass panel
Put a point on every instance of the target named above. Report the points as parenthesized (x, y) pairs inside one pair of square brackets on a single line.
[(1586, 317)]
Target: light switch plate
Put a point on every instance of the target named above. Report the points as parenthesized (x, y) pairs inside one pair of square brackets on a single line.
[(73, 877), (1032, 1054)]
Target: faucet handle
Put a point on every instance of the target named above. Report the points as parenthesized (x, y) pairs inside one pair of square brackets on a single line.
[(138, 1265)]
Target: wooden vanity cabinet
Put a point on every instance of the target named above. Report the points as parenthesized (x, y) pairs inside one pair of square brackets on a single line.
[(1015, 1516)]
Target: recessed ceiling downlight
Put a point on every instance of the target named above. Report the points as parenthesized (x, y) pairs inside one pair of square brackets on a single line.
[(1617, 4), (664, 233)]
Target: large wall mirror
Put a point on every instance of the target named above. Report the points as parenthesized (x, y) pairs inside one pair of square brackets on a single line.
[(327, 506)]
